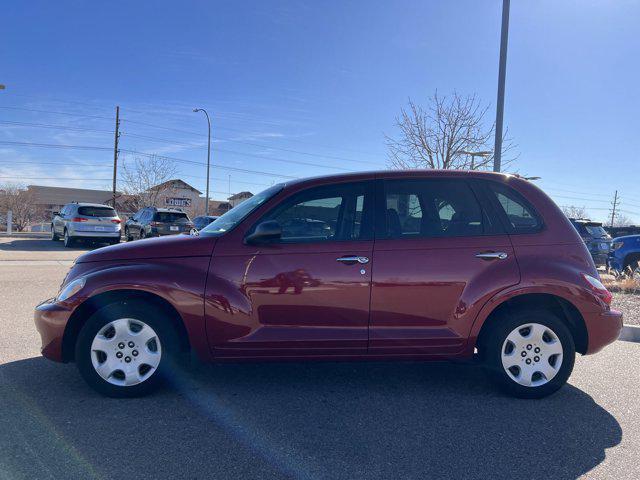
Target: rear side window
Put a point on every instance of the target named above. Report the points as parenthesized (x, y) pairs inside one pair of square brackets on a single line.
[(97, 211), (521, 217), (432, 208), (171, 217)]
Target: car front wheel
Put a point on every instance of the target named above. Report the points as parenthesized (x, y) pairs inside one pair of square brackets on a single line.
[(124, 349), (54, 235), (528, 354)]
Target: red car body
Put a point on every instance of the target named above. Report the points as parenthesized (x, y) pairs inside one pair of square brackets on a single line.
[(418, 298)]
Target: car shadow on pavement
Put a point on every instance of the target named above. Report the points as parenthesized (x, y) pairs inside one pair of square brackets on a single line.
[(297, 420), (43, 245)]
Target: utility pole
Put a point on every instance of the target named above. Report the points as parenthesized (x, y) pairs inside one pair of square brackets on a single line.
[(115, 154), (502, 72), (615, 205)]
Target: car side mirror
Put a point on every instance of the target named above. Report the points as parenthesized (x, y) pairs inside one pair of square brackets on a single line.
[(264, 232), (55, 213)]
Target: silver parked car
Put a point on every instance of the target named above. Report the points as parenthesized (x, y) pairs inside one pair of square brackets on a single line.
[(89, 221)]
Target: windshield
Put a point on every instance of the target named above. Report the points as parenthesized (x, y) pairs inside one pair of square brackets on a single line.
[(234, 216), (595, 230)]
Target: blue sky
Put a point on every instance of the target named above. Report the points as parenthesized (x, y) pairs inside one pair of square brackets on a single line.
[(299, 88)]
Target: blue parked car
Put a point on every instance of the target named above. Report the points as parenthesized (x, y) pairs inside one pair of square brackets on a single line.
[(597, 240), (625, 252)]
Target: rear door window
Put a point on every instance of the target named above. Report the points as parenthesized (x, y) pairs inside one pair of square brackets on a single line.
[(432, 208), (97, 211)]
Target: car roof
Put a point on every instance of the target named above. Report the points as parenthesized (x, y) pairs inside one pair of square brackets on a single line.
[(417, 173), (83, 204)]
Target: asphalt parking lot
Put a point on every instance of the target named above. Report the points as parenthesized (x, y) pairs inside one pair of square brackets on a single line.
[(299, 420)]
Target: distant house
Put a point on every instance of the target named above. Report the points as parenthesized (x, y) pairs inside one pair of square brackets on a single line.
[(238, 198), (217, 207), (51, 199)]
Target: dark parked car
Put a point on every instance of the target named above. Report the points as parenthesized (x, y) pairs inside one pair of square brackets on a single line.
[(597, 240), (202, 221), (156, 222), (625, 254), (426, 265)]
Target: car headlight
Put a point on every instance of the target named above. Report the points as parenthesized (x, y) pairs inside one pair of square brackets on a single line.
[(71, 289)]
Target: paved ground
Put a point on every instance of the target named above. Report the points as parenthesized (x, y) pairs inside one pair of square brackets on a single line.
[(373, 420)]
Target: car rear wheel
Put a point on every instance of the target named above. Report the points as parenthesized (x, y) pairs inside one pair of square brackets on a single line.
[(54, 235), (528, 354), (69, 241), (124, 349)]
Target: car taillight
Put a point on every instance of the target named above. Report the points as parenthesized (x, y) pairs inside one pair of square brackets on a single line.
[(189, 224), (616, 245), (116, 220), (79, 219), (155, 224), (598, 289)]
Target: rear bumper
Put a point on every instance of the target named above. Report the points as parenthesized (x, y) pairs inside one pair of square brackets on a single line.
[(603, 328), (51, 319), (77, 234)]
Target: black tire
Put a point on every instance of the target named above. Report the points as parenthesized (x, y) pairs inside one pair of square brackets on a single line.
[(127, 235), (491, 348), (137, 310), (54, 235), (69, 241)]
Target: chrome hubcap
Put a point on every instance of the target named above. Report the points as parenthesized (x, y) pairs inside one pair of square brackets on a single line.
[(126, 352), (532, 354)]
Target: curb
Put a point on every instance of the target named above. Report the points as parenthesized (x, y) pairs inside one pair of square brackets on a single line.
[(630, 333)]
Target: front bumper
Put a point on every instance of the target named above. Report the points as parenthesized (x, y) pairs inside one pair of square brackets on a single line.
[(51, 319), (603, 328), (599, 258)]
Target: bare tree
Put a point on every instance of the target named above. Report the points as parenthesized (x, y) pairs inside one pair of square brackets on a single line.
[(142, 180), (571, 211), (621, 220), (443, 134), (21, 202)]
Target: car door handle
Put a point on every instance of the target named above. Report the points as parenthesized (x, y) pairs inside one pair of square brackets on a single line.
[(492, 255), (353, 259)]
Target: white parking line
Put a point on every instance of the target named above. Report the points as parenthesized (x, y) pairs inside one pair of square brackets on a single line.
[(31, 263)]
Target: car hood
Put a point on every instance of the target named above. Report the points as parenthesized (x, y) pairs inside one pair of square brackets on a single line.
[(162, 247)]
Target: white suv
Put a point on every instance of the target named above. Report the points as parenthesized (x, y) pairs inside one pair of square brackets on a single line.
[(89, 221)]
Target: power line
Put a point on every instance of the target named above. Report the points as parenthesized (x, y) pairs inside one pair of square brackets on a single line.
[(193, 162), (53, 145), (84, 115), (57, 127), (242, 142)]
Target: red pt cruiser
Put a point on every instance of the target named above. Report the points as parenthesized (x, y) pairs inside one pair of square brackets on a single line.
[(418, 265)]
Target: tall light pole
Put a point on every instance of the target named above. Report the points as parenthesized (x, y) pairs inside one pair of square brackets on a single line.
[(502, 72), (206, 207)]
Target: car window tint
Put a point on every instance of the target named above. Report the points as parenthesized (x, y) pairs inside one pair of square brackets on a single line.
[(432, 208), (324, 214), (171, 217), (520, 215), (97, 211)]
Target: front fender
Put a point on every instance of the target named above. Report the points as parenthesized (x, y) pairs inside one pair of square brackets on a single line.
[(178, 281)]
